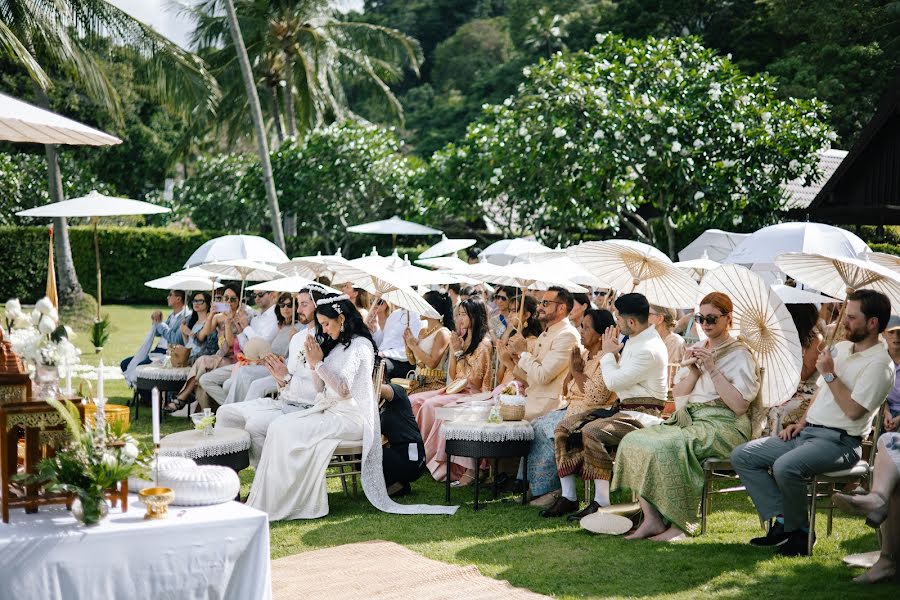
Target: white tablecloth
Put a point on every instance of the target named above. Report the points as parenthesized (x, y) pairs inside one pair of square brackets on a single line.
[(194, 444), (208, 552)]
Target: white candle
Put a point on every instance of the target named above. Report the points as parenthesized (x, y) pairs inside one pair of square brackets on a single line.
[(68, 378), (154, 403), (101, 397)]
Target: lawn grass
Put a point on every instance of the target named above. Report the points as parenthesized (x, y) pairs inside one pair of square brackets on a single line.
[(509, 541)]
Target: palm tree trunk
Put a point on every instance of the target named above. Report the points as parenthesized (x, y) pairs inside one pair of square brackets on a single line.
[(68, 288), (256, 114), (289, 97)]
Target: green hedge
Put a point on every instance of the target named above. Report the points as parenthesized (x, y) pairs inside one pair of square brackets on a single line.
[(129, 256), (886, 248)]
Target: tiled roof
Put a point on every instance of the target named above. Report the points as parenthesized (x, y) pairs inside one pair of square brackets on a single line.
[(799, 195)]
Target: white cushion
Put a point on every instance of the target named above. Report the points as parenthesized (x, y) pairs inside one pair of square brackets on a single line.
[(166, 463), (345, 448), (201, 485)]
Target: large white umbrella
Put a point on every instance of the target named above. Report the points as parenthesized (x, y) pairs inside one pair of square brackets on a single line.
[(23, 122), (173, 282), (373, 258), (447, 246), (385, 283), (394, 226), (563, 268), (506, 251), (629, 266), (762, 247), (451, 263), (95, 205), (761, 318), (717, 245), (237, 247), (839, 277)]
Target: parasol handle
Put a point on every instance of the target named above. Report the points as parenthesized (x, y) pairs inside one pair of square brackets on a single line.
[(829, 341)]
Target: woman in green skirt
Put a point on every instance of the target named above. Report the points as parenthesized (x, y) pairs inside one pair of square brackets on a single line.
[(713, 390)]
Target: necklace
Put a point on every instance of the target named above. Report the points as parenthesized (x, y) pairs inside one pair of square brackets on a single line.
[(429, 331)]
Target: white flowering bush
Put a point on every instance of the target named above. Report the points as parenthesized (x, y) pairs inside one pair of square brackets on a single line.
[(38, 337), (341, 175), (591, 137)]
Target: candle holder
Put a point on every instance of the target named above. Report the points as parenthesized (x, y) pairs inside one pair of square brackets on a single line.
[(157, 499)]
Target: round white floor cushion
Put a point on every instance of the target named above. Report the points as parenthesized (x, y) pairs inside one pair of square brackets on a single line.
[(201, 485), (166, 463)]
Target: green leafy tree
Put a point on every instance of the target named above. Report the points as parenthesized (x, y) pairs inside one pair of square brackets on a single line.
[(470, 53), (631, 133), (65, 35), (342, 175)]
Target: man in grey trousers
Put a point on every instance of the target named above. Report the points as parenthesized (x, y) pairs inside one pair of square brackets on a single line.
[(855, 379)]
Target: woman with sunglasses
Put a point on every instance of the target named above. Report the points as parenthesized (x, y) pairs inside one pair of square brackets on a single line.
[(717, 382), (216, 326), (192, 329), (251, 379), (290, 479), (499, 319), (470, 359)]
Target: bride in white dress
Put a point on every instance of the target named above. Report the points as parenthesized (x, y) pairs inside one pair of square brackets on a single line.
[(290, 478)]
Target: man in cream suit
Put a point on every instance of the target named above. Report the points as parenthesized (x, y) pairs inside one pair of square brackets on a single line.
[(546, 368)]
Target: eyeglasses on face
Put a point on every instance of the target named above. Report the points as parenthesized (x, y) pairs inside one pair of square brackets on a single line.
[(500, 297), (230, 298), (285, 304), (599, 293), (546, 303), (708, 319), (260, 294), (200, 300)]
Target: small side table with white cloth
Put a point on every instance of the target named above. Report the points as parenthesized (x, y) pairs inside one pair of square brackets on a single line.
[(227, 446), (219, 551), (168, 380), (488, 440)]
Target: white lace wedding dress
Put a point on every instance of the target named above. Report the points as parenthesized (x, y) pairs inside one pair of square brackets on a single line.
[(290, 478)]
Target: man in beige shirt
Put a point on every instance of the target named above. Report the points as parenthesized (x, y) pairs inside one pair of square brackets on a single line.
[(856, 377), (546, 368)]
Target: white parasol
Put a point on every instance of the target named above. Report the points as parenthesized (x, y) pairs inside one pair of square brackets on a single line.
[(308, 266), (840, 276), (95, 205), (762, 320), (174, 282), (291, 284), (890, 261), (450, 263), (628, 266), (386, 283), (717, 245), (394, 226), (23, 122), (243, 270), (237, 247), (791, 295), (762, 247), (506, 251), (447, 246), (698, 266)]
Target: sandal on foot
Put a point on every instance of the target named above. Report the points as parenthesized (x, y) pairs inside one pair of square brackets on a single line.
[(175, 406)]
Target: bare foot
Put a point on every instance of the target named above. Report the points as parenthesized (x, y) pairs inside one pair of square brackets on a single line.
[(672, 534), (883, 570), (646, 530)]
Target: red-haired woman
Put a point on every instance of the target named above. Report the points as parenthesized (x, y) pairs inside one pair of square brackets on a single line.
[(714, 388)]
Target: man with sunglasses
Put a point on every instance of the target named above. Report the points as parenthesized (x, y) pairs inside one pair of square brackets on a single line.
[(857, 375), (546, 368), (168, 331), (245, 326)]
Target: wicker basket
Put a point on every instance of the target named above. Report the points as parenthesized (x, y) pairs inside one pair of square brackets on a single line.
[(115, 413), (509, 412)]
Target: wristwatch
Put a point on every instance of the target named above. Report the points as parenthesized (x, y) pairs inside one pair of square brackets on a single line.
[(828, 377)]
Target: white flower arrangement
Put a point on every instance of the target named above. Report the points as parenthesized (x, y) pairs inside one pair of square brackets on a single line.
[(38, 338)]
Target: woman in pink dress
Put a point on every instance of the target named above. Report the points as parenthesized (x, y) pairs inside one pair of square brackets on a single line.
[(470, 358)]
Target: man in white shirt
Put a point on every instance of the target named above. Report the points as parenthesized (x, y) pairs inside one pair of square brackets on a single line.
[(391, 345), (639, 379), (263, 325), (856, 377), (294, 381)]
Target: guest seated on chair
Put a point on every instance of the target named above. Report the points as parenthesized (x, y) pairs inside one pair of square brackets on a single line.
[(429, 351), (192, 330), (293, 380), (545, 369), (583, 391), (290, 478), (168, 331), (389, 337), (530, 333), (856, 377), (470, 359)]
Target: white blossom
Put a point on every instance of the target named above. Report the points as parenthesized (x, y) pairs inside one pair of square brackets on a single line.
[(559, 132), (699, 196), (676, 147), (737, 127), (671, 130), (600, 37)]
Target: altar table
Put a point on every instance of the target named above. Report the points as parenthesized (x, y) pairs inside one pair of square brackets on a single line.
[(214, 552)]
